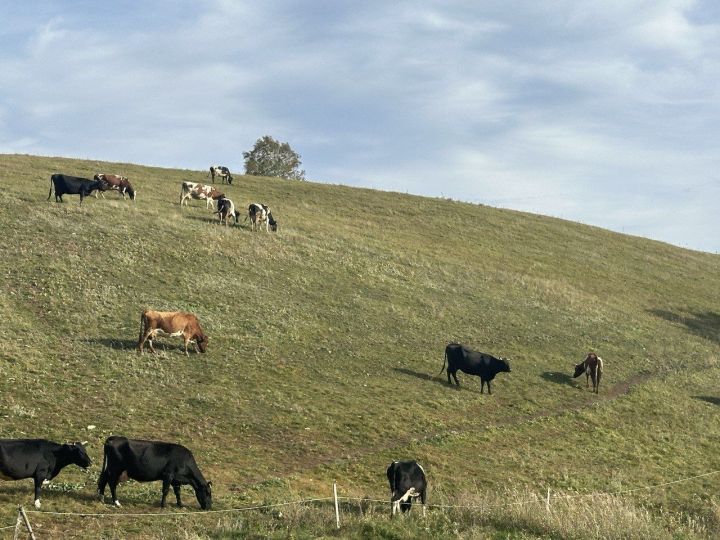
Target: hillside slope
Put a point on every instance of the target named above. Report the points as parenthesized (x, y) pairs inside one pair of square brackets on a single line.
[(326, 336)]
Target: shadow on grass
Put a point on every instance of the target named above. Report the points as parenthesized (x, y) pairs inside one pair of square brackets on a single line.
[(213, 219), (442, 380), (706, 325), (117, 344), (709, 399), (558, 378)]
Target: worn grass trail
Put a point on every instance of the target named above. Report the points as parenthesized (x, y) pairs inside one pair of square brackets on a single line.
[(325, 340)]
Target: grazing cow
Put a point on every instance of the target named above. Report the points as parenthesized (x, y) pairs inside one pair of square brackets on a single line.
[(193, 190), (115, 182), (174, 323), (471, 362), (222, 172), (71, 185), (407, 482), (148, 461), (38, 459), (259, 214), (226, 210), (592, 367)]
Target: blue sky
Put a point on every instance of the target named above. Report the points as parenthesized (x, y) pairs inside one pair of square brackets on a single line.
[(601, 112)]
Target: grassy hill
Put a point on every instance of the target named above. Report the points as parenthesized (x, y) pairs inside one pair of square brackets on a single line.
[(325, 339)]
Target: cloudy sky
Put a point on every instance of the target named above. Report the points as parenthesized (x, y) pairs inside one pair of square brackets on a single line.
[(605, 112)]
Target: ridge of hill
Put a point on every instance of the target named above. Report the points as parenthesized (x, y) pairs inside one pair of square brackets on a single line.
[(326, 341)]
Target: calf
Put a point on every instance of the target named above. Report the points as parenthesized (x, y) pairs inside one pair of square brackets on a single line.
[(193, 190), (407, 482), (115, 182), (592, 366), (226, 210), (174, 323), (64, 184), (471, 362), (38, 459), (259, 214), (222, 172), (148, 461)]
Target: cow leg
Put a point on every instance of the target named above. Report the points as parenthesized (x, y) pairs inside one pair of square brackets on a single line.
[(150, 344), (489, 390), (422, 500), (597, 388), (102, 482), (587, 380), (454, 375), (176, 489), (38, 479), (113, 482), (165, 490)]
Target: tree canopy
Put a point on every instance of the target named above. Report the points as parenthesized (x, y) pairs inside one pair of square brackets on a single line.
[(272, 158)]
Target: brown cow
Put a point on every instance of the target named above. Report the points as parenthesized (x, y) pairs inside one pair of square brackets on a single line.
[(174, 323), (114, 181), (592, 366)]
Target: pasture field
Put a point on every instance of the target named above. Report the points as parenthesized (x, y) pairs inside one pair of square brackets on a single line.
[(325, 343)]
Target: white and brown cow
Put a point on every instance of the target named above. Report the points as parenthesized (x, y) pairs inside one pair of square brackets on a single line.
[(222, 172), (173, 323), (259, 214), (226, 210), (193, 190), (592, 367), (121, 184)]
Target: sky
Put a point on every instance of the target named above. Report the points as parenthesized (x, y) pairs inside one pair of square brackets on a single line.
[(603, 112)]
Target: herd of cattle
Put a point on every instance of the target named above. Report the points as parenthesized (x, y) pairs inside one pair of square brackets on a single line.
[(174, 464), (258, 213)]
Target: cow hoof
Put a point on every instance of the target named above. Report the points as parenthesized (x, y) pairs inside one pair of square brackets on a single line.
[(37, 504), (117, 503)]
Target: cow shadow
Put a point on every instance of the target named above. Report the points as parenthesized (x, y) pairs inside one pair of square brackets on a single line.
[(706, 325), (441, 380), (114, 343), (709, 399), (558, 378)]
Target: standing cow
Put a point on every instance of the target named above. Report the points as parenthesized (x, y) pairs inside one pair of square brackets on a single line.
[(226, 211), (121, 184), (407, 482), (193, 190), (592, 367), (222, 172), (174, 323), (38, 459), (64, 184), (459, 357), (148, 461)]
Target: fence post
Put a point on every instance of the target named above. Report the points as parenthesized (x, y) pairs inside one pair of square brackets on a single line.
[(547, 501), (337, 509), (21, 513)]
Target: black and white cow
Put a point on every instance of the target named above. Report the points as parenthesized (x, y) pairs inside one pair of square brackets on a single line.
[(407, 482), (260, 213), (226, 210), (72, 185), (148, 461), (38, 459), (471, 362), (222, 172)]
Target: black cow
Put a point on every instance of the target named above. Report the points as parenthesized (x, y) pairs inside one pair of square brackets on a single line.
[(38, 459), (148, 461), (72, 185), (461, 358), (407, 482)]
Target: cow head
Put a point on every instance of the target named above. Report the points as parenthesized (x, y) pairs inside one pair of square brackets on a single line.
[(78, 455), (504, 365), (202, 342), (579, 369), (273, 223), (204, 495)]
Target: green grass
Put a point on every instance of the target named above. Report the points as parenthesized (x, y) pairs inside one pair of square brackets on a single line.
[(325, 339)]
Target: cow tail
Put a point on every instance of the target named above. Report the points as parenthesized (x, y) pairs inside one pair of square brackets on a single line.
[(443, 366), (143, 322), (51, 188)]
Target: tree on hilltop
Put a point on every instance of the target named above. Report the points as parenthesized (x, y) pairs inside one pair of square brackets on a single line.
[(272, 158)]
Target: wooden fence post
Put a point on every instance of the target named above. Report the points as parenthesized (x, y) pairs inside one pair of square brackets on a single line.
[(547, 501), (23, 515), (337, 509)]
